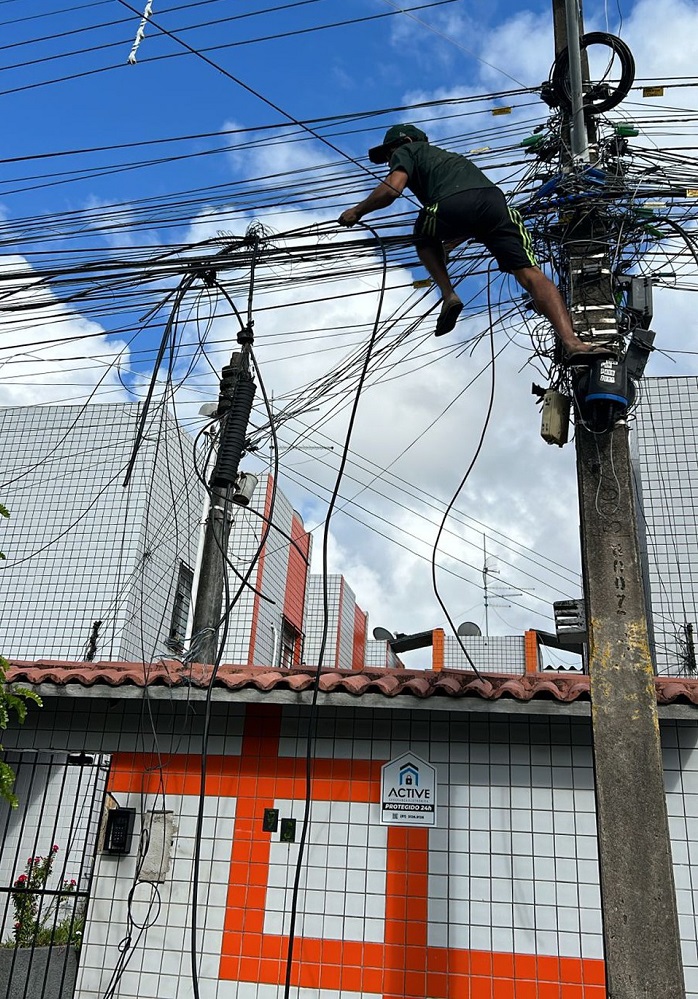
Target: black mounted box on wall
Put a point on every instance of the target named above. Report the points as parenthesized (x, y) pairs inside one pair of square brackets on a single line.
[(119, 831), (288, 831), (270, 822)]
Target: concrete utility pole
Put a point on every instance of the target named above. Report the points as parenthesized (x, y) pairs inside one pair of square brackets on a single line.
[(234, 406), (638, 898)]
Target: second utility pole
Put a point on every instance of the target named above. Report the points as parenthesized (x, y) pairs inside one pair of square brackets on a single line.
[(638, 899), (234, 406)]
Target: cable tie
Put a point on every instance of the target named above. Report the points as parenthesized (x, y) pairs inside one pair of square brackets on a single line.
[(140, 34)]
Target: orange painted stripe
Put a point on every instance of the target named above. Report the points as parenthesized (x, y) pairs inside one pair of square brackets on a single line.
[(334, 780), (359, 644), (437, 649), (406, 913), (297, 574), (403, 966), (531, 651), (340, 615), (258, 581), (262, 731)]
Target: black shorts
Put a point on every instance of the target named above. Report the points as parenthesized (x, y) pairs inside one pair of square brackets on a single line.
[(481, 214)]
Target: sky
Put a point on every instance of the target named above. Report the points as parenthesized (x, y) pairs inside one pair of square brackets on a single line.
[(262, 112)]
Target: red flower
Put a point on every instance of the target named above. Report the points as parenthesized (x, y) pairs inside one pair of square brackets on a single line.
[(73, 882), (55, 848), (22, 877)]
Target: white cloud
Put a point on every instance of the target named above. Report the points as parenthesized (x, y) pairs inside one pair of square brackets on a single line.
[(522, 46), (521, 491), (663, 35), (46, 346), (519, 486), (269, 155), (117, 224), (382, 540), (452, 39)]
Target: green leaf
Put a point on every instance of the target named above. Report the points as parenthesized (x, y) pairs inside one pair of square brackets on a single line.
[(12, 700)]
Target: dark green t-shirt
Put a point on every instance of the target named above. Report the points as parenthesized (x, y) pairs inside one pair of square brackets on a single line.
[(434, 174)]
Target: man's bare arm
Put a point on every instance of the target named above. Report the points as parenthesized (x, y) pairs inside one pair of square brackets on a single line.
[(380, 197)]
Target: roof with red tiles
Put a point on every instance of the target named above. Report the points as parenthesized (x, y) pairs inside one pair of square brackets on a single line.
[(564, 688)]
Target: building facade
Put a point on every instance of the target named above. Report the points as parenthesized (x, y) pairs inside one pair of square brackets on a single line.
[(665, 455), (93, 568), (514, 654), (266, 625), (498, 897), (98, 571), (345, 642)]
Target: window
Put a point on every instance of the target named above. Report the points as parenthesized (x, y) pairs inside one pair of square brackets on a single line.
[(180, 608), (290, 645)]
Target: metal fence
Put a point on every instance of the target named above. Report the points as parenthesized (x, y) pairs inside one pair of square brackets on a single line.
[(46, 865)]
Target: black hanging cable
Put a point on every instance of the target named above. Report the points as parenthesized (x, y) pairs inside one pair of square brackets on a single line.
[(184, 287), (212, 48), (313, 715), (254, 93), (34, 40), (196, 860), (224, 622), (230, 604), (459, 489)]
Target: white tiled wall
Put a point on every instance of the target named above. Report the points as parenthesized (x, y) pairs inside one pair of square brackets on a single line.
[(157, 962), (341, 612), (80, 547), (514, 851), (665, 447), (512, 859), (343, 886), (245, 536), (494, 653)]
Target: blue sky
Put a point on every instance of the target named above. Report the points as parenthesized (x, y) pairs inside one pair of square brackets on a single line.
[(521, 488), (358, 67)]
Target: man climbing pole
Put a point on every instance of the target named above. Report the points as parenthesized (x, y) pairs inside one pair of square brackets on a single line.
[(460, 202)]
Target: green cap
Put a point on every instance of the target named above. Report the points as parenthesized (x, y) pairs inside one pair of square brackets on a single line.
[(396, 132), (394, 137)]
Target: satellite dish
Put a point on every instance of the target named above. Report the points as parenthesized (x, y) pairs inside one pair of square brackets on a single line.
[(383, 635), (469, 630)]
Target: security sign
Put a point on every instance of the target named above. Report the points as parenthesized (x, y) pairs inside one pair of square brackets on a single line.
[(408, 792)]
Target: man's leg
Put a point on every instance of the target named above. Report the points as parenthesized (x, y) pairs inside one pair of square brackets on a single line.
[(433, 258), (550, 304)]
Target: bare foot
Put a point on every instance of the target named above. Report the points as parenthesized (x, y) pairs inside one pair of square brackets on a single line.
[(576, 346), (589, 353), (448, 317)]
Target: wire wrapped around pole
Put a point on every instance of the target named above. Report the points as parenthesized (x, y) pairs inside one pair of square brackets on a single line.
[(140, 33)]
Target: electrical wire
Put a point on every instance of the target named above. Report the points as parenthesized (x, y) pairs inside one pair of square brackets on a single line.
[(457, 493), (219, 47), (184, 286), (449, 38), (223, 623), (624, 224), (548, 232), (313, 712)]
